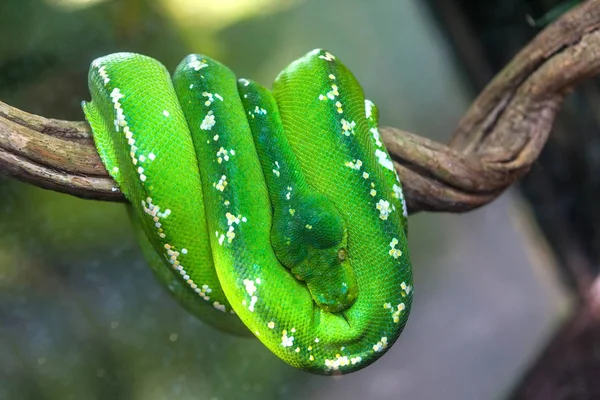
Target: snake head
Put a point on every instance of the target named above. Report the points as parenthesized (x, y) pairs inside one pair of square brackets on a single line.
[(312, 243)]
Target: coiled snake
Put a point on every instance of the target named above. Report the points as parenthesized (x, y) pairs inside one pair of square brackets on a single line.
[(276, 213)]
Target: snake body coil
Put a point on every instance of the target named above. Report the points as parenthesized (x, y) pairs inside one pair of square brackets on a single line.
[(274, 213)]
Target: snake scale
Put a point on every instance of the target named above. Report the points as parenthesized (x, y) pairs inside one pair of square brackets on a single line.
[(274, 213)]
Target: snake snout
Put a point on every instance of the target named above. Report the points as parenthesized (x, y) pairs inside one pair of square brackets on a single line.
[(314, 246)]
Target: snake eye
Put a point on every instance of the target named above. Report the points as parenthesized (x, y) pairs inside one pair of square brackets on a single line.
[(342, 254)]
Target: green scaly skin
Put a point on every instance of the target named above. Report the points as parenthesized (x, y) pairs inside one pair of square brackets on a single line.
[(271, 213)]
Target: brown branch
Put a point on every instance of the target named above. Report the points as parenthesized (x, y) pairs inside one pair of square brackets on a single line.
[(496, 142)]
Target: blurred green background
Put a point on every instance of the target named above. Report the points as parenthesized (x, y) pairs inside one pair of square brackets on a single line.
[(81, 316)]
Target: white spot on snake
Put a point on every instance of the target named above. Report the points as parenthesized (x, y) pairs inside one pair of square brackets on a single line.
[(316, 340), (151, 156), (285, 340), (250, 287), (253, 301), (166, 113), (384, 161), (196, 64), (208, 122), (376, 136), (231, 221), (172, 255), (381, 344), (223, 155), (327, 57), (220, 186), (115, 169), (355, 360), (260, 111), (339, 107), (394, 252), (347, 127), (311, 358), (368, 108), (192, 86), (246, 82), (219, 306), (184, 251), (116, 95), (384, 209), (354, 164), (333, 92), (215, 138), (276, 169), (339, 361), (203, 292), (143, 178), (405, 288), (154, 210), (395, 313), (210, 98), (365, 175), (218, 96), (332, 77), (271, 325), (400, 195), (103, 74), (230, 234)]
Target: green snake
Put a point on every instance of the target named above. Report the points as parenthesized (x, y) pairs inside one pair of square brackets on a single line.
[(274, 213)]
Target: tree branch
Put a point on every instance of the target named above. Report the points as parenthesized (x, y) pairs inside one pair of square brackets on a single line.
[(496, 142)]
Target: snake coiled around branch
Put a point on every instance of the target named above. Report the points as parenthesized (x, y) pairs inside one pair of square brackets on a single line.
[(276, 213)]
